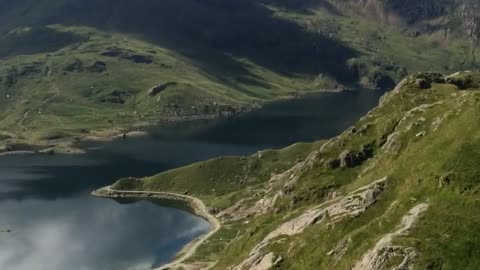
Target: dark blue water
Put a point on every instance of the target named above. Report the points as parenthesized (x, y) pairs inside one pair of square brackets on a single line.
[(57, 225)]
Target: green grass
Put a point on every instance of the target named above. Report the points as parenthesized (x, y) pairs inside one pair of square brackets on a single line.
[(51, 90), (385, 48), (277, 52), (434, 159), (41, 91), (223, 181)]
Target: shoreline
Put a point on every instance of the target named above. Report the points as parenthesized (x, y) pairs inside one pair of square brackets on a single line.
[(196, 205), (72, 145)]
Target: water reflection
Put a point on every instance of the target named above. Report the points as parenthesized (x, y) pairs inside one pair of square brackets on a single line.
[(85, 233), (316, 116), (57, 225)]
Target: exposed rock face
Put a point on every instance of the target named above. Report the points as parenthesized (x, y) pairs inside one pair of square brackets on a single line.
[(379, 80), (267, 262), (333, 211), (74, 65), (116, 97), (139, 58), (384, 250), (423, 84), (333, 164), (191, 266), (351, 159), (238, 211), (470, 11), (287, 179), (30, 69), (424, 15), (419, 80), (394, 139), (463, 80), (98, 66), (4, 135), (421, 16), (393, 143), (127, 55), (9, 77), (413, 10), (112, 52), (429, 78), (340, 249), (160, 88)]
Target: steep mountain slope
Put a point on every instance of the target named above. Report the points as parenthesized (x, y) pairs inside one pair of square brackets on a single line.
[(73, 69), (398, 190)]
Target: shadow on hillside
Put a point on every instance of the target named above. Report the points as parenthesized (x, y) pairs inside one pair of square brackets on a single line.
[(210, 31), (413, 10), (36, 40), (304, 6)]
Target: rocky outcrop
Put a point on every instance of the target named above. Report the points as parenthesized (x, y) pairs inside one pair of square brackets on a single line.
[(127, 55), (160, 88), (30, 69), (351, 159), (139, 58), (428, 78), (267, 262), (463, 80), (413, 11), (238, 211), (425, 16), (112, 52), (285, 182), (98, 67), (379, 81), (393, 143), (419, 81), (9, 76), (340, 249), (190, 266), (470, 12), (5, 135), (384, 250), (373, 75), (116, 97), (73, 66), (330, 212)]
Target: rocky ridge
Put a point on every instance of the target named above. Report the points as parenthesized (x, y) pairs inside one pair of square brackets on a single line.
[(371, 198)]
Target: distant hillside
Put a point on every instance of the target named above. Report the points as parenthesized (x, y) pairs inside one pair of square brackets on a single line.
[(70, 68)]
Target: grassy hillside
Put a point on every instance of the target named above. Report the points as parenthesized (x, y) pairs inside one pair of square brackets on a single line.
[(107, 81), (71, 70), (398, 189)]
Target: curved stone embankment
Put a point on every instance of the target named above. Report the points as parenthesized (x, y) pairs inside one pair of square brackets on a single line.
[(196, 205)]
